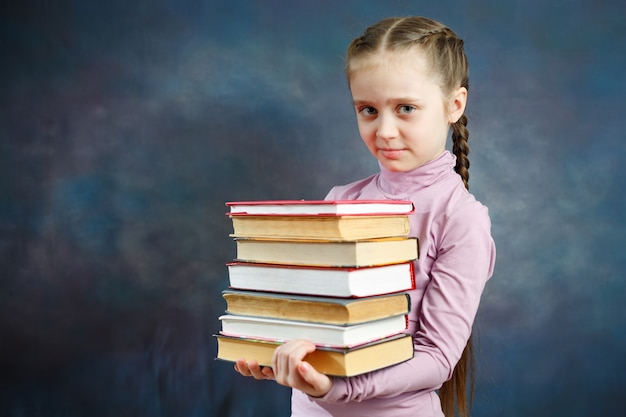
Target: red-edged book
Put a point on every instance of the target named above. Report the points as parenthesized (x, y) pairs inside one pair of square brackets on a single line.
[(319, 207), (347, 220), (322, 281)]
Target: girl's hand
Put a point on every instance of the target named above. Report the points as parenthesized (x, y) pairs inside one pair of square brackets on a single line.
[(289, 369), (253, 369)]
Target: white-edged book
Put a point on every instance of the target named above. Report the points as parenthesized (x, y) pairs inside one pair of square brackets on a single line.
[(320, 334), (322, 281), (319, 207)]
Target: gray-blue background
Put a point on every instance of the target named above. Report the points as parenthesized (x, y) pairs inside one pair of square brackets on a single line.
[(126, 125)]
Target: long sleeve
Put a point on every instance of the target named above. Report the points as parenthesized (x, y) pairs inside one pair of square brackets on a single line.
[(462, 261), (456, 258)]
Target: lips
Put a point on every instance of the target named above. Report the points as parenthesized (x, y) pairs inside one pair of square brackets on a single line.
[(391, 153)]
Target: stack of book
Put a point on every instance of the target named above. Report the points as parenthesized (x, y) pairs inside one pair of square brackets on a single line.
[(333, 272)]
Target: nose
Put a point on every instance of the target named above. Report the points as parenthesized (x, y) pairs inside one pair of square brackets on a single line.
[(387, 128)]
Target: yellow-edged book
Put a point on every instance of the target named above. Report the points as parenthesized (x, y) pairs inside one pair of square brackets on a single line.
[(357, 254), (316, 309), (329, 360), (320, 219)]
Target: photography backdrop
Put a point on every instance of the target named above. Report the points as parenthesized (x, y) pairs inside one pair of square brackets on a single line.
[(126, 125)]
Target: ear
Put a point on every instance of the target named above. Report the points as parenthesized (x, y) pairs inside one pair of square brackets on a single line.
[(457, 103)]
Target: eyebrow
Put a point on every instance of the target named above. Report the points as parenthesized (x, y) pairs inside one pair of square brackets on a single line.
[(392, 100)]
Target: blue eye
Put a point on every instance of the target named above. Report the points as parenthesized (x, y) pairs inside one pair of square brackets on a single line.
[(406, 109), (368, 111)]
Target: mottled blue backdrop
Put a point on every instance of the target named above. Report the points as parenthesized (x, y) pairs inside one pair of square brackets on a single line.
[(126, 125)]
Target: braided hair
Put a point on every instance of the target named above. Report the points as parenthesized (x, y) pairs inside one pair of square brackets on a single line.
[(444, 51), (445, 54)]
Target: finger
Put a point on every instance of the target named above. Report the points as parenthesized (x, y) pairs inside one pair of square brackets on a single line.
[(256, 370), (307, 373), (268, 372), (294, 349), (286, 360), (319, 382), (241, 366), (282, 360)]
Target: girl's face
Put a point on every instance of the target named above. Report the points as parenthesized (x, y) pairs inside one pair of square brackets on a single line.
[(402, 114)]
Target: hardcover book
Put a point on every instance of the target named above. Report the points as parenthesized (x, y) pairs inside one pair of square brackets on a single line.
[(331, 361), (320, 227), (326, 253), (322, 281), (315, 309), (321, 334), (320, 207)]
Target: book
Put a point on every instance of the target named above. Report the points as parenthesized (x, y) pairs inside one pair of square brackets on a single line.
[(319, 207), (316, 309), (322, 281), (326, 253), (333, 272), (320, 227), (321, 334), (331, 361)]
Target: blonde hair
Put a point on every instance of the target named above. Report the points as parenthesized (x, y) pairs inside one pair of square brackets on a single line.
[(447, 62), (444, 52)]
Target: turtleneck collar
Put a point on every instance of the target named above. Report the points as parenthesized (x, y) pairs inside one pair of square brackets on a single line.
[(396, 185)]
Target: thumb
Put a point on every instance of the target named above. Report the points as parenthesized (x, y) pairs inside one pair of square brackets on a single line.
[(307, 372), (320, 384), (310, 375)]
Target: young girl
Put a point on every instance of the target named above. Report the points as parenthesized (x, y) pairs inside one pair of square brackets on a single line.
[(409, 78)]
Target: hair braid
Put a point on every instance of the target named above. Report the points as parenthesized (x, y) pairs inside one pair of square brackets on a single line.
[(460, 148), (456, 396)]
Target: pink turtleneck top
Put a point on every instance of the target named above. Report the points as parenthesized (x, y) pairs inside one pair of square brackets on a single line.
[(456, 258)]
